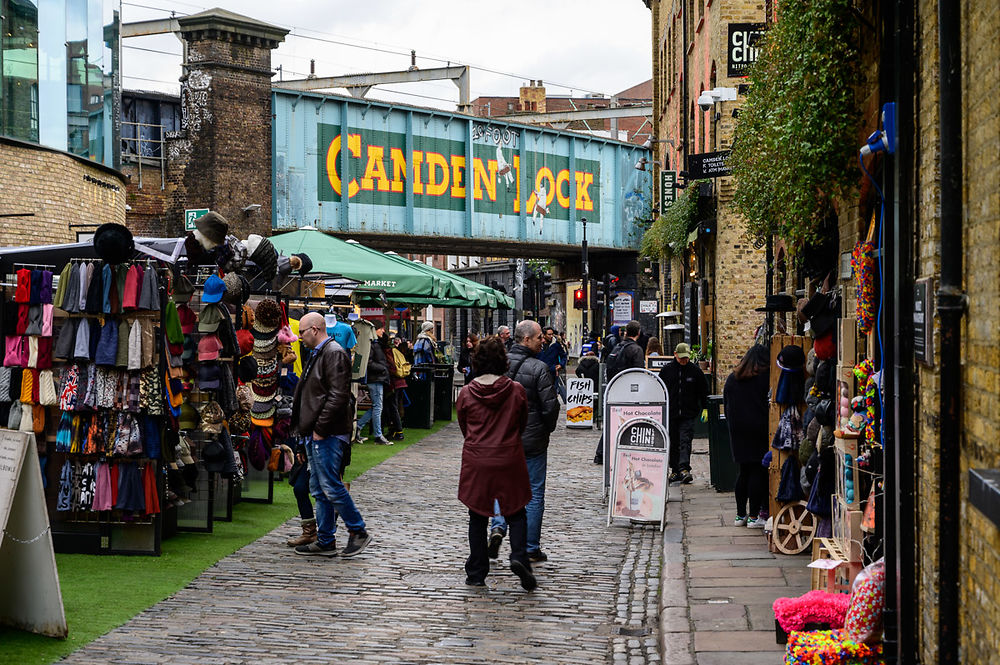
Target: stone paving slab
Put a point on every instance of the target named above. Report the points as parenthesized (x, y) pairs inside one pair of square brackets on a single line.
[(731, 581), (404, 599)]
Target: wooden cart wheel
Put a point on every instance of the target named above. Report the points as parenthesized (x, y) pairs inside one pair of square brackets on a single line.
[(794, 528)]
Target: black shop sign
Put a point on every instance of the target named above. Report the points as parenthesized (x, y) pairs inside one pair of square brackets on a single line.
[(707, 165), (743, 38)]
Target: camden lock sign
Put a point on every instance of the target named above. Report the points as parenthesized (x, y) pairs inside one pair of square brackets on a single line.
[(436, 173)]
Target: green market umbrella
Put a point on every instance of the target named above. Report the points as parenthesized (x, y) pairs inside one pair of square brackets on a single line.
[(375, 271)]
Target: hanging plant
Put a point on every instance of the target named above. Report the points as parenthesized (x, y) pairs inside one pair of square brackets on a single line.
[(667, 236), (796, 134)]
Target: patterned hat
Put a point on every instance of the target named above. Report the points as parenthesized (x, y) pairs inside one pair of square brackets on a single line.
[(267, 315)]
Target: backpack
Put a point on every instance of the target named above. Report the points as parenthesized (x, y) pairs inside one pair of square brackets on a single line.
[(402, 365), (615, 359)]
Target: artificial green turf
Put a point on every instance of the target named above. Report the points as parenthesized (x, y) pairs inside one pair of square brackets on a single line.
[(103, 592)]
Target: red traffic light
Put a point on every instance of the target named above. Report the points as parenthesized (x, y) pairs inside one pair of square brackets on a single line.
[(578, 299)]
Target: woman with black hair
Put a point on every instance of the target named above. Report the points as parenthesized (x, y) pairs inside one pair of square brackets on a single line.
[(745, 401)]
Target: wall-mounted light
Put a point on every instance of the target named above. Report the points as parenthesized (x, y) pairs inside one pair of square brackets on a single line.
[(641, 164), (253, 207)]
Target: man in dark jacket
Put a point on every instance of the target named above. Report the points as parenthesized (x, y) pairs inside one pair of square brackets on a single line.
[(322, 412), (688, 392), (377, 378), (543, 413), (610, 342)]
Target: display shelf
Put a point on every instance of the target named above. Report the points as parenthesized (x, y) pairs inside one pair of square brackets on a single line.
[(847, 532)]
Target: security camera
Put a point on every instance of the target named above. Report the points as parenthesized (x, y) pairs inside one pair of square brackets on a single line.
[(705, 101)]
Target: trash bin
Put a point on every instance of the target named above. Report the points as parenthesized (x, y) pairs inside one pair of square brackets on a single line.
[(419, 412), (720, 456), (444, 379)]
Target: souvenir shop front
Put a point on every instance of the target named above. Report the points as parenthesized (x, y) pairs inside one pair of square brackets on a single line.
[(156, 375), (826, 461)]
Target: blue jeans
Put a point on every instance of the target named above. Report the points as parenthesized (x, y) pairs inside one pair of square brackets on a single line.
[(374, 414), (327, 487), (537, 466)]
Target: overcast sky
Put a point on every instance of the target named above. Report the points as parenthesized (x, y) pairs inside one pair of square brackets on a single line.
[(574, 46)]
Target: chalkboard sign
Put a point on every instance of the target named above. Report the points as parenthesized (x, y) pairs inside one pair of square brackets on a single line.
[(690, 313)]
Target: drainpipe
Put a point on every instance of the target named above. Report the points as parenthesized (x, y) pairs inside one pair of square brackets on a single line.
[(951, 306)]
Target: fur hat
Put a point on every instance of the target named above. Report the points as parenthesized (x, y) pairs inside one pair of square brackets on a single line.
[(302, 263), (211, 229), (113, 243)]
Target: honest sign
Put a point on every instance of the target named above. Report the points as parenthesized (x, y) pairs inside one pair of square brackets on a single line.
[(579, 403), (668, 189)]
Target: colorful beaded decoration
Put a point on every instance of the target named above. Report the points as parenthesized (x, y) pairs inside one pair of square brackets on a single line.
[(863, 264), (863, 371), (827, 647)]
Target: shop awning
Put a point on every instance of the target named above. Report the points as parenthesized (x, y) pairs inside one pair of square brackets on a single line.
[(375, 271)]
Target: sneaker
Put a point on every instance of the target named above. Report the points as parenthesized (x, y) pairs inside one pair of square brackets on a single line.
[(740, 521), (356, 544), (523, 571), (382, 441), (358, 439), (755, 523), (315, 549), (496, 537), (687, 478), (538, 555), (674, 477)]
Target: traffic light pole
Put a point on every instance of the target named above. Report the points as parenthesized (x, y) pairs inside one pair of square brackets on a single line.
[(586, 281)]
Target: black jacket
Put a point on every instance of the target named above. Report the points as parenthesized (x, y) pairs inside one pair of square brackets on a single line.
[(543, 403), (610, 342), (630, 355), (589, 368), (687, 388), (746, 409), (378, 368)]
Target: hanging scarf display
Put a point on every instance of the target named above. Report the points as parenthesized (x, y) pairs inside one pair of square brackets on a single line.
[(863, 264)]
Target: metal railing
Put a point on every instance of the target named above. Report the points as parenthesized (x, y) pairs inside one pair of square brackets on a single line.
[(132, 149)]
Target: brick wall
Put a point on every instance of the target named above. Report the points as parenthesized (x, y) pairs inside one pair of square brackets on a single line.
[(148, 203), (57, 190), (980, 403)]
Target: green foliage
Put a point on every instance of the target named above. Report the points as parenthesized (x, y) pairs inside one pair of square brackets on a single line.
[(796, 135), (667, 236)]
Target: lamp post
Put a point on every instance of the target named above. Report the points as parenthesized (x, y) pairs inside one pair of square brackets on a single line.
[(585, 270)]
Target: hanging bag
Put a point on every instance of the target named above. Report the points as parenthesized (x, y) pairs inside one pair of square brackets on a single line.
[(790, 489)]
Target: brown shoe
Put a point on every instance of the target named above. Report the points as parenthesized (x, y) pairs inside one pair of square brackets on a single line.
[(308, 534)]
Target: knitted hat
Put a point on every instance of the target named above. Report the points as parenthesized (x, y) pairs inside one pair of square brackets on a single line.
[(267, 315), (247, 369), (426, 325), (302, 263), (234, 288)]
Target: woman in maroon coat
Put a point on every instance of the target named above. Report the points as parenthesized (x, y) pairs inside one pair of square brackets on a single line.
[(492, 412)]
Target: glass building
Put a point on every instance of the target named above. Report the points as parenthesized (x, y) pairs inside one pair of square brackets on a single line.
[(58, 60)]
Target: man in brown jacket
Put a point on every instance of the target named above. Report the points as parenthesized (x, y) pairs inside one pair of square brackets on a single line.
[(322, 411)]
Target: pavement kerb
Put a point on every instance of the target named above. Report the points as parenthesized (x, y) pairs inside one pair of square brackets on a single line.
[(674, 619)]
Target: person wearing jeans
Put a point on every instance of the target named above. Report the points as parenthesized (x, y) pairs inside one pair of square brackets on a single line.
[(543, 412), (323, 413), (377, 377)]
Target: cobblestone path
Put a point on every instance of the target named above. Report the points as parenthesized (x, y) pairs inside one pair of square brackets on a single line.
[(404, 599)]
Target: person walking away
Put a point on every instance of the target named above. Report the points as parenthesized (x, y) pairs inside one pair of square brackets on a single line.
[(744, 400), (610, 342), (503, 332), (627, 354), (653, 347), (589, 368), (397, 382), (543, 413), (322, 412), (465, 357), (492, 414), (555, 356), (688, 392), (377, 377)]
